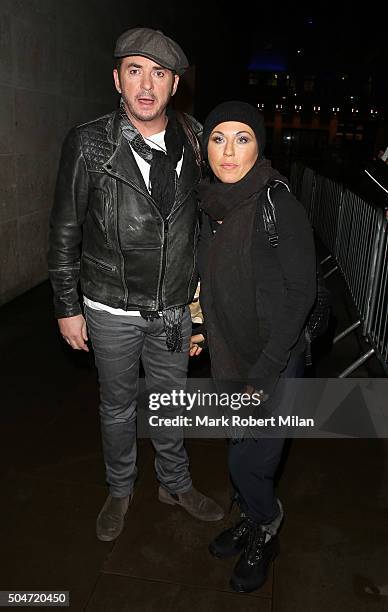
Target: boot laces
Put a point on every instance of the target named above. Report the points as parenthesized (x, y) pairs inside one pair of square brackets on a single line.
[(241, 527), (255, 543)]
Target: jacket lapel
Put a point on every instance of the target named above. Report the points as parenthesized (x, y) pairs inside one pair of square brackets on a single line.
[(122, 164)]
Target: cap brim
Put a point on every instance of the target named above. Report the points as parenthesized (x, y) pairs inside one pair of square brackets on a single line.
[(179, 70)]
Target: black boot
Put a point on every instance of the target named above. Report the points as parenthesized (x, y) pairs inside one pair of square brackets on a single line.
[(231, 541), (251, 569)]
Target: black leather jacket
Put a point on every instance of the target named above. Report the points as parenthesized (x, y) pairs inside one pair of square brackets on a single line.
[(107, 232)]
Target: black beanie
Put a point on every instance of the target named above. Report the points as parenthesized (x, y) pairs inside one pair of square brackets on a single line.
[(235, 111)]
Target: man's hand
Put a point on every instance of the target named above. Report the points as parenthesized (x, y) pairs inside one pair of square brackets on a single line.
[(195, 340), (73, 330), (248, 389)]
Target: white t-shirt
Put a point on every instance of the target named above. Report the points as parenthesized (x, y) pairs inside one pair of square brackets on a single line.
[(156, 141)]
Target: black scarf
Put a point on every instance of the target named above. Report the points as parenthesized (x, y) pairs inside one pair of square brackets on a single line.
[(163, 176), (228, 289), (163, 179), (219, 199)]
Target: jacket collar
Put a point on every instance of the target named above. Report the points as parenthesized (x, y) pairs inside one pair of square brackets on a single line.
[(113, 128)]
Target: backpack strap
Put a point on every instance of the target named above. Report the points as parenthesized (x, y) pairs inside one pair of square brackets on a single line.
[(269, 212)]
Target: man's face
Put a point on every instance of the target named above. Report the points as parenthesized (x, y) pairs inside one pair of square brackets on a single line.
[(146, 87)]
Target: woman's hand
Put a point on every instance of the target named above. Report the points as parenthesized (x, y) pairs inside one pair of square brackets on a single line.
[(195, 348)]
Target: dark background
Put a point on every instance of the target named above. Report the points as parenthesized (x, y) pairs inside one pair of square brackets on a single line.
[(56, 72)]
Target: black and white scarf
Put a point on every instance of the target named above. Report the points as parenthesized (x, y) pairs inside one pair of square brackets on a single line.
[(163, 175), (163, 179)]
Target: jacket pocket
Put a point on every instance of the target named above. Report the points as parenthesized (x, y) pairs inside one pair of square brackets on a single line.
[(100, 264), (99, 212)]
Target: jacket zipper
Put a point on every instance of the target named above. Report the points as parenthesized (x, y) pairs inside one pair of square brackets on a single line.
[(122, 267), (164, 253), (164, 261), (106, 222)]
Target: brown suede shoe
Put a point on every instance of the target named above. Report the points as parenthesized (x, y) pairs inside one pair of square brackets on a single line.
[(194, 502), (110, 521)]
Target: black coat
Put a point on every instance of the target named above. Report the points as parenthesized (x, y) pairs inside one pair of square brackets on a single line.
[(284, 280)]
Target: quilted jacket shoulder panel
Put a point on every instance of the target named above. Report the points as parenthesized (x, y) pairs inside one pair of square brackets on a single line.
[(96, 147)]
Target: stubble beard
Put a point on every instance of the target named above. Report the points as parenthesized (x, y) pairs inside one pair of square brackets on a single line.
[(146, 115)]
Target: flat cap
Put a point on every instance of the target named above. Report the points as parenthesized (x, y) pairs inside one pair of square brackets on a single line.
[(154, 45)]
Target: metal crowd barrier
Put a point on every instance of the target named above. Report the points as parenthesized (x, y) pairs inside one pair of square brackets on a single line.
[(327, 209), (355, 233), (376, 326)]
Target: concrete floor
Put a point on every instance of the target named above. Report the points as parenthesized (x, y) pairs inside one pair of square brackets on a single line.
[(334, 539)]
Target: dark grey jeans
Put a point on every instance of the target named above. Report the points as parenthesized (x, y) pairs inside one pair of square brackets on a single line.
[(119, 342)]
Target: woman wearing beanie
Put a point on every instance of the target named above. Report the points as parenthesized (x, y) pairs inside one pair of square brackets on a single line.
[(255, 296)]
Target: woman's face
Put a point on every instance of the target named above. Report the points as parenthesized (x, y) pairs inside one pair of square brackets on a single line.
[(232, 150)]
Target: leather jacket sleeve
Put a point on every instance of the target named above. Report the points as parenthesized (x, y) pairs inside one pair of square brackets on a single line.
[(67, 217)]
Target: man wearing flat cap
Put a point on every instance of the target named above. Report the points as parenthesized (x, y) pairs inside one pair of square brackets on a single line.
[(125, 224)]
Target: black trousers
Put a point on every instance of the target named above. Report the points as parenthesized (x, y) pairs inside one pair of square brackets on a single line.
[(253, 464)]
